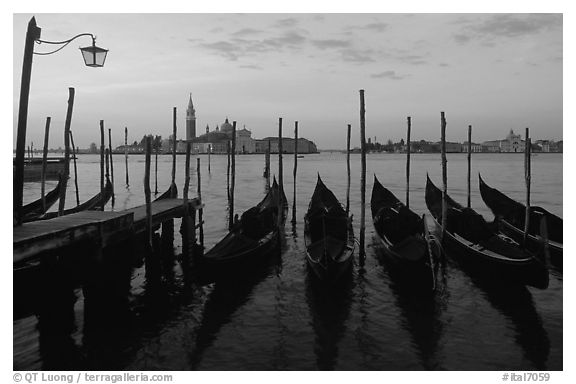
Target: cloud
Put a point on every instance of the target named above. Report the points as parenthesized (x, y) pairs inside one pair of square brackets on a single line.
[(507, 26), (461, 38), (251, 66), (518, 25), (238, 47), (225, 49), (286, 23), (331, 43), (357, 55), (373, 27), (387, 75), (247, 32)]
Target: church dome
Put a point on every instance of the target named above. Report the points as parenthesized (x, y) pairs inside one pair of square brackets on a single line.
[(226, 127)]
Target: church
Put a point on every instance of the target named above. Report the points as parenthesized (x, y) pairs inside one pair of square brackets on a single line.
[(216, 141)]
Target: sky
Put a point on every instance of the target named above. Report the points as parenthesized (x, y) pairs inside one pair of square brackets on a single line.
[(496, 72)]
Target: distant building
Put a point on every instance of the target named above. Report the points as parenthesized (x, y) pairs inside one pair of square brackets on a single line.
[(474, 146), (190, 121), (512, 143), (244, 141)]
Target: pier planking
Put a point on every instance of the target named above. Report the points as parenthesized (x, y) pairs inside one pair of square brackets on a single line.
[(32, 239)]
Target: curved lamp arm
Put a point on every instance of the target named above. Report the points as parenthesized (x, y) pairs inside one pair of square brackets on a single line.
[(65, 42)]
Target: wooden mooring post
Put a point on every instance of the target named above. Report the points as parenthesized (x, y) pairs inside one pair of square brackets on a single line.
[(200, 211), (209, 154), (362, 178), (45, 163), (232, 176), (527, 177), (188, 228), (67, 123), (267, 166), (409, 122), (102, 161), (468, 200), (156, 171), (151, 267), (348, 134), (444, 172), (228, 171), (111, 163), (126, 154), (74, 152), (32, 34), (280, 175), (295, 170), (174, 143)]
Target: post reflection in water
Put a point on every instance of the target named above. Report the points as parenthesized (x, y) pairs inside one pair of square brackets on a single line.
[(420, 310), (329, 306)]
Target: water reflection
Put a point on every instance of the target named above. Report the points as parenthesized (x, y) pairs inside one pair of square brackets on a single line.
[(231, 291), (420, 307), (516, 304), (329, 307)]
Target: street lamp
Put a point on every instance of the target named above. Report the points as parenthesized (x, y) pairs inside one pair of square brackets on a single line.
[(93, 57)]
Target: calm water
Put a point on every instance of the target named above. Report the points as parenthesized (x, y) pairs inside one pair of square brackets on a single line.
[(279, 318)]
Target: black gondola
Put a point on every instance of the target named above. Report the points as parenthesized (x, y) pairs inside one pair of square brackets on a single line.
[(255, 233), (406, 240), (510, 216), (95, 203), (473, 240), (34, 210), (328, 235)]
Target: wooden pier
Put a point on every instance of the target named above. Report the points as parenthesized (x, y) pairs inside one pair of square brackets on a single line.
[(33, 239)]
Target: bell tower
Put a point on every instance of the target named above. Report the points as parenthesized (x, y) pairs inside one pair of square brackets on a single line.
[(190, 121)]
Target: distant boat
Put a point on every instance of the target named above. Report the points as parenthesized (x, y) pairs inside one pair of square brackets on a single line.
[(328, 235), (300, 156)]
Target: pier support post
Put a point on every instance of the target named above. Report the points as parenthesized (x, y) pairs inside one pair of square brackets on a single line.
[(151, 259)]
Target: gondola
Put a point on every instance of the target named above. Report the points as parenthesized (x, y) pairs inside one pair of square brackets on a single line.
[(34, 210), (510, 216), (474, 241), (253, 235), (328, 235), (404, 235), (95, 203)]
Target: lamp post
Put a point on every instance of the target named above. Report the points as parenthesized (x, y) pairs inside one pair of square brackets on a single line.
[(93, 57)]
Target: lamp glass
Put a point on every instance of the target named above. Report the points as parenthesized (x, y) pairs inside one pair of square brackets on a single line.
[(94, 56)]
